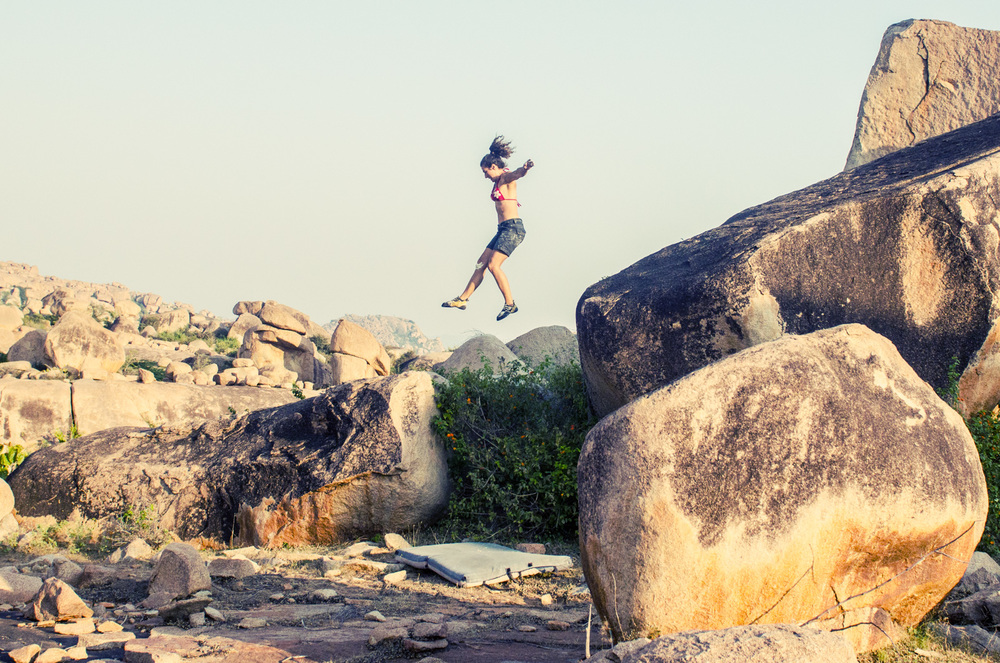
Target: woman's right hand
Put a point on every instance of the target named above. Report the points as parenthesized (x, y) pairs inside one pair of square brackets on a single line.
[(529, 164)]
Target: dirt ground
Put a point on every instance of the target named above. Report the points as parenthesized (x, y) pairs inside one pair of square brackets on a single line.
[(506, 622)]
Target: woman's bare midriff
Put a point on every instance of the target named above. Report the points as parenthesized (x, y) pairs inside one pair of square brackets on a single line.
[(506, 209)]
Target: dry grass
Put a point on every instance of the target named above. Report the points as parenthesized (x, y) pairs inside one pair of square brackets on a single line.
[(922, 647)]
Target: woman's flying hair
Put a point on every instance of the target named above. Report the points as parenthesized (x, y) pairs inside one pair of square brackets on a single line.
[(500, 149)]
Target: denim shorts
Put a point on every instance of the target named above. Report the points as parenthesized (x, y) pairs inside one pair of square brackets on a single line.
[(510, 234)]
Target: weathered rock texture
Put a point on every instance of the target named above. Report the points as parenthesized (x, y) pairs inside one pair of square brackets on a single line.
[(746, 644), (34, 412), (906, 245), (79, 342), (929, 78), (789, 483), (361, 459), (101, 405)]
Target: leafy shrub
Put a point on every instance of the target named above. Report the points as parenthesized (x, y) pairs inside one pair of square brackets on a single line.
[(515, 438), (985, 429), (39, 321), (134, 522), (10, 457), (322, 344), (132, 366), (226, 346)]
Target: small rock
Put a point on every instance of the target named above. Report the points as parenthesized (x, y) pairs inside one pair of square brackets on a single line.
[(431, 617), (180, 571), (395, 542), (105, 641), (420, 646), (556, 625), (52, 655), (434, 659), (425, 630), (531, 548), (326, 565), (394, 578), (56, 600), (77, 653), (214, 615), (157, 600), (382, 632), (109, 627), (252, 622), (75, 627), (196, 619), (375, 616), (546, 599), (526, 628), (359, 549), (231, 568), (323, 595), (277, 597), (181, 610), (24, 654)]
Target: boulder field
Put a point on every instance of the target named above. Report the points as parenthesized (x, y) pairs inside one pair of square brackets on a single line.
[(811, 479)]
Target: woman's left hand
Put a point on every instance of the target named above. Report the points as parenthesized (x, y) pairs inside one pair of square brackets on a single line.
[(529, 164)]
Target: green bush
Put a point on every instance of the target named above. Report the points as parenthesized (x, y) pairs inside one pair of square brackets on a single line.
[(226, 346), (10, 457), (985, 429), (515, 438)]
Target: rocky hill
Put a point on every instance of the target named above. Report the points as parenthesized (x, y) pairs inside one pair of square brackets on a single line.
[(393, 332)]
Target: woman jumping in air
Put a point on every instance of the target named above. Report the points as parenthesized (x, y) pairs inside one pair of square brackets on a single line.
[(510, 229)]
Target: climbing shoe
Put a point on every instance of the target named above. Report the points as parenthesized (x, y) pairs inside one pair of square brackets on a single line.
[(458, 303), (506, 310)]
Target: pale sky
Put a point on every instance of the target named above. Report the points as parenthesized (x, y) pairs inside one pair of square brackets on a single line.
[(326, 154)]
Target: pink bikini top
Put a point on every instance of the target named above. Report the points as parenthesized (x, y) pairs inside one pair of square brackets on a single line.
[(497, 196)]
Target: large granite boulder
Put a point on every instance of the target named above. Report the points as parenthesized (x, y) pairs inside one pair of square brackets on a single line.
[(358, 460), (906, 245), (10, 317), (284, 317), (33, 411), (811, 479), (100, 405), (929, 78), (477, 350), (269, 347), (555, 343), (79, 342), (356, 341), (29, 348), (243, 324)]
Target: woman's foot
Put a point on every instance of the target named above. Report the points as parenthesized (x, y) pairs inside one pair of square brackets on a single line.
[(506, 310), (458, 303)]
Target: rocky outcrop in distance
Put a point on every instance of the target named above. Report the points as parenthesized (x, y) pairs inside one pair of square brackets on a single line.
[(906, 245), (360, 459), (810, 480), (929, 78)]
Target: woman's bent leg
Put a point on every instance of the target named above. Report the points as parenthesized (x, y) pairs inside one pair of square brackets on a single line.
[(495, 261), (477, 275)]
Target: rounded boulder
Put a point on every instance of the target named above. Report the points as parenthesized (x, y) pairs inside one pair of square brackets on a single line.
[(793, 482)]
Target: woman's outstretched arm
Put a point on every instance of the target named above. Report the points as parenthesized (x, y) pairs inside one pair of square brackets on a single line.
[(518, 173)]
